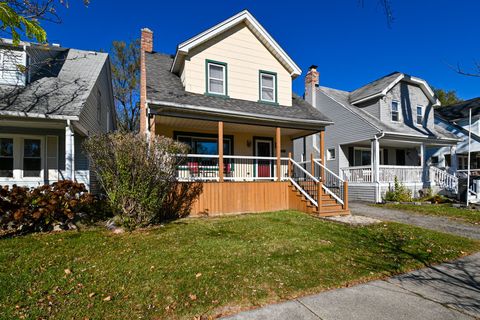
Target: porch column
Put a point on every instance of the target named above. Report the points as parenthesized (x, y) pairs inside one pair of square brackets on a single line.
[(425, 173), (453, 159), (69, 152), (220, 151), (375, 159), (278, 142), (322, 153)]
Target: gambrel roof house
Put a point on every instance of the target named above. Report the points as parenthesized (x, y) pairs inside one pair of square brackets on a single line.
[(52, 98), (233, 83), (383, 130)]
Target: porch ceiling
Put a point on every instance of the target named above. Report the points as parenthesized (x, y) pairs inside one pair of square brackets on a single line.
[(399, 143), (186, 124)]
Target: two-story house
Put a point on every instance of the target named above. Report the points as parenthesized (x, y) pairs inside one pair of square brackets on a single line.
[(383, 132), (227, 93), (51, 99)]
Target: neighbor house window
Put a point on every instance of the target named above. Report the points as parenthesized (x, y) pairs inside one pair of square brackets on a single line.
[(331, 154), (216, 78), (419, 115), (362, 157), (395, 111), (32, 158), (434, 160), (268, 86), (6, 157)]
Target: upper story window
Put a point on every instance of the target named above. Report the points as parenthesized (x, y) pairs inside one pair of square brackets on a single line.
[(419, 115), (395, 111), (268, 86), (12, 67), (216, 78)]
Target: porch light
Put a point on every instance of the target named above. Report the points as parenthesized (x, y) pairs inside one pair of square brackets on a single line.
[(249, 143)]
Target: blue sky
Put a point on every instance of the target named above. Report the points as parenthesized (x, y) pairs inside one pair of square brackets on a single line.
[(352, 45)]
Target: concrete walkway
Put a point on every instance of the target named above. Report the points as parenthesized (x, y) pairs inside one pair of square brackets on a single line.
[(447, 291), (441, 224)]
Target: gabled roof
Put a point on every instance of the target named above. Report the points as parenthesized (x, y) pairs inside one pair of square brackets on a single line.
[(459, 110), (380, 87), (241, 17), (61, 87), (165, 89), (343, 99)]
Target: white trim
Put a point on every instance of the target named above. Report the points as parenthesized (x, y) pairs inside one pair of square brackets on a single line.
[(38, 115), (422, 83), (243, 16), (273, 88)]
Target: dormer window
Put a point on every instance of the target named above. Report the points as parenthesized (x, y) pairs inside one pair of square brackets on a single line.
[(216, 78), (268, 87), (419, 115), (395, 111)]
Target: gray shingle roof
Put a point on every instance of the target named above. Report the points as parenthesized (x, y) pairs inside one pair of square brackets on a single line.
[(343, 97), (163, 85), (374, 87), (460, 110), (58, 93)]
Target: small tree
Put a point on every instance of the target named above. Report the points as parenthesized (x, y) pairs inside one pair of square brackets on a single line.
[(140, 177)]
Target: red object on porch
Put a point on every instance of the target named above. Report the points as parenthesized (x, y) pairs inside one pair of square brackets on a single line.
[(264, 169), (193, 167)]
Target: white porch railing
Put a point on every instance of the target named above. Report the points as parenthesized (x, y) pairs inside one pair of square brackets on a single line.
[(199, 167), (387, 174), (443, 179)]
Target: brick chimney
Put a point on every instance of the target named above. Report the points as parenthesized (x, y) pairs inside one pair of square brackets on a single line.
[(311, 82), (146, 45)]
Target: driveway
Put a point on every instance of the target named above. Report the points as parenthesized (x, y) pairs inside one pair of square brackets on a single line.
[(441, 224), (448, 291)]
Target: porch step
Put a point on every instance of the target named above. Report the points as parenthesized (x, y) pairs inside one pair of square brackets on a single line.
[(332, 213)]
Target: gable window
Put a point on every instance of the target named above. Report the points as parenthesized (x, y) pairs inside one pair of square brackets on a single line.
[(32, 159), (268, 86), (6, 157), (419, 115), (395, 111), (331, 154), (216, 78)]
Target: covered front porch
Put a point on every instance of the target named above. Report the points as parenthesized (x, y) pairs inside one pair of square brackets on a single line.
[(374, 167), (252, 170)]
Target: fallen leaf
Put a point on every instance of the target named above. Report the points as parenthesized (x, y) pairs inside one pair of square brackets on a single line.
[(193, 297), (107, 298), (198, 275), (67, 271), (91, 294)]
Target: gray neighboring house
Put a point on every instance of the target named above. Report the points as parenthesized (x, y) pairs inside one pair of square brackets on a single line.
[(51, 99), (382, 131)]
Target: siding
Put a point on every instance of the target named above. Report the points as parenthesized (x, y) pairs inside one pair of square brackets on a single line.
[(361, 192), (245, 56), (410, 97), (9, 72)]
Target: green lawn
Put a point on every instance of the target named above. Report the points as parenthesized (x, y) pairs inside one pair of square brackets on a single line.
[(446, 210), (211, 266)]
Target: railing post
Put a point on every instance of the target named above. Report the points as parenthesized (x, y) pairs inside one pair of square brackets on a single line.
[(220, 151), (345, 195), (322, 154), (279, 150), (289, 164), (312, 165), (319, 196)]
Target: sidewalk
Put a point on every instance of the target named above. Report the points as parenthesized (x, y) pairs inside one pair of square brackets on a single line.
[(448, 291)]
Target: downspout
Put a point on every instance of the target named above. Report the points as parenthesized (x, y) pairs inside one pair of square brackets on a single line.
[(377, 182)]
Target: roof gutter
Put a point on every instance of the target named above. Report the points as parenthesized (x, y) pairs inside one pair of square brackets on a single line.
[(455, 140), (234, 113), (38, 115)]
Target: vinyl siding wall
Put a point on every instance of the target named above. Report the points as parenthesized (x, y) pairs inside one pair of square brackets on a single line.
[(245, 56)]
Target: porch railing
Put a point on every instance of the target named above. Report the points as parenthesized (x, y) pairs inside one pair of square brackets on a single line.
[(304, 181), (443, 179), (332, 183), (386, 174), (199, 167)]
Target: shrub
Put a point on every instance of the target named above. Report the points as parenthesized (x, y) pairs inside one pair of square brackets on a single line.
[(62, 203), (139, 178), (399, 193)]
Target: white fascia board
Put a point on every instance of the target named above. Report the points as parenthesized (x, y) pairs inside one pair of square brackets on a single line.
[(184, 47), (38, 115)]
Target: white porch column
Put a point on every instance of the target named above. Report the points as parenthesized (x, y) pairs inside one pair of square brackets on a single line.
[(375, 159), (425, 168), (69, 152), (453, 159)]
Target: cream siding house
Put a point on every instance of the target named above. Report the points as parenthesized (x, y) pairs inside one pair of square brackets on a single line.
[(233, 83)]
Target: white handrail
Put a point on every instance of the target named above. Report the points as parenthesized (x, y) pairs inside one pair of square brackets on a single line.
[(303, 192), (317, 161), (305, 171)]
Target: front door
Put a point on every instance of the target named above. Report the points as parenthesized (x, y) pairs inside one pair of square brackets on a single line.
[(264, 148)]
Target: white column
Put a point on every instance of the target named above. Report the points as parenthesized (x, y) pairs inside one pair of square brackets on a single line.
[(425, 168), (453, 159), (69, 152), (375, 155)]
